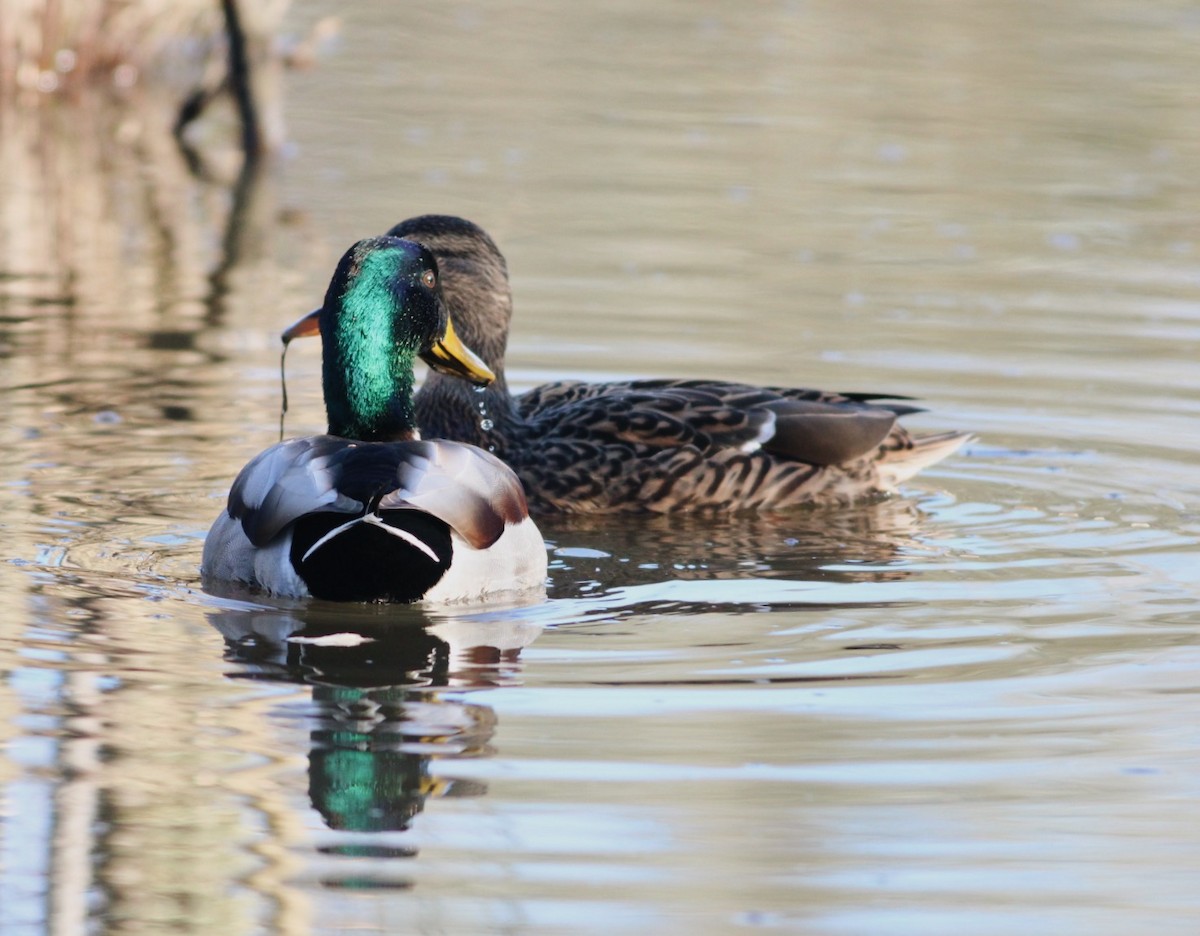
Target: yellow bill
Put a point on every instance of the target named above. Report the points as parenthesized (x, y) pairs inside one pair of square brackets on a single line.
[(451, 356)]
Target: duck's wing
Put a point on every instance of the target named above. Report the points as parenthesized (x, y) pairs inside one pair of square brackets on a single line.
[(287, 481), (809, 426), (666, 445), (468, 489)]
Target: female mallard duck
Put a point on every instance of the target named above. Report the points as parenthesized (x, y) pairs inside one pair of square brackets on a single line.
[(653, 445), (369, 512)]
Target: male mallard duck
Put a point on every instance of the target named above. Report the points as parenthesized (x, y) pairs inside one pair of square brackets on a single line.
[(368, 512), (653, 445)]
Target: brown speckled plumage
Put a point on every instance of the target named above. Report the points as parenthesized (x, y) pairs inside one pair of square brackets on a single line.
[(653, 445)]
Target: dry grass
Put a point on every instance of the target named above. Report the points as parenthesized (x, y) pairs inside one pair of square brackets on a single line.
[(51, 46)]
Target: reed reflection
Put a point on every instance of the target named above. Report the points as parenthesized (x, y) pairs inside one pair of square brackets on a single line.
[(125, 280), (114, 232)]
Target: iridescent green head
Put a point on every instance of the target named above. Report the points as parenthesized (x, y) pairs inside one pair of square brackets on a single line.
[(382, 311)]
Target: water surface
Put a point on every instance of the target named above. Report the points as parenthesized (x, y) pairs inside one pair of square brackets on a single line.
[(966, 709)]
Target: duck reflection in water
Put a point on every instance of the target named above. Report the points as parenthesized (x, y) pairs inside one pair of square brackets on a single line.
[(685, 564), (379, 723)]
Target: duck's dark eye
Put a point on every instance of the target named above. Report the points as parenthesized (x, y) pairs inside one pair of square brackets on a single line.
[(429, 279)]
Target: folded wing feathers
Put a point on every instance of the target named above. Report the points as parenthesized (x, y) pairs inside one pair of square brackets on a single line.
[(808, 426), (471, 490), (285, 482), (822, 433)]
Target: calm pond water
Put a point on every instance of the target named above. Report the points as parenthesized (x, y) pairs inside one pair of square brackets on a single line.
[(970, 709)]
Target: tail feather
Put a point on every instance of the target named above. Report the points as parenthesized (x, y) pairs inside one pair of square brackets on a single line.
[(900, 465), (395, 555)]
